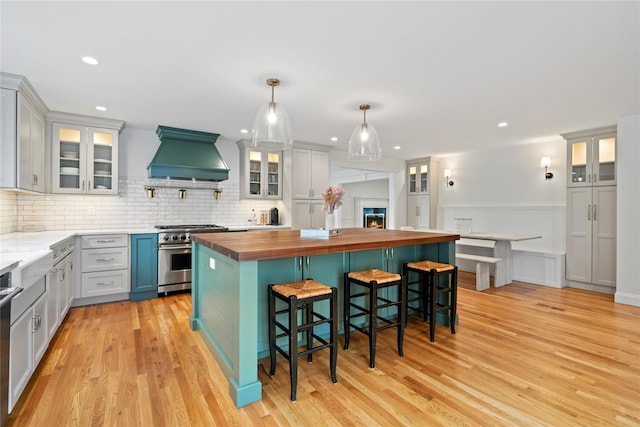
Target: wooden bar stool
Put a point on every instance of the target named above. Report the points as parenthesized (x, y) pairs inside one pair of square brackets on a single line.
[(301, 295), (431, 287), (374, 280)]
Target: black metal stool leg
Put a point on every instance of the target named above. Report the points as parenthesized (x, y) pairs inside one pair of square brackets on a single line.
[(373, 320), (425, 288), (308, 318), (433, 287), (293, 345), (402, 313), (272, 330), (333, 312), (346, 301), (454, 300)]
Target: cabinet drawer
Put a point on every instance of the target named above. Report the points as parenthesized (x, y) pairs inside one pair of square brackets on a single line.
[(105, 241), (104, 259), (105, 283)]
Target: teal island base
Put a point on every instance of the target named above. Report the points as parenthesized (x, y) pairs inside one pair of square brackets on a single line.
[(231, 272)]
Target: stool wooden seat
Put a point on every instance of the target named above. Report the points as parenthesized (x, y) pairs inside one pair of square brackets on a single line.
[(374, 280), (301, 295), (430, 290)]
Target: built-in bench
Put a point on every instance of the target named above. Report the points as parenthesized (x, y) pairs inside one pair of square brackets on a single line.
[(482, 268)]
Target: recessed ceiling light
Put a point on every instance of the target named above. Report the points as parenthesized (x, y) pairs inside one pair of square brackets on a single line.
[(244, 131), (101, 108), (397, 147), (89, 60), (334, 138), (503, 124)]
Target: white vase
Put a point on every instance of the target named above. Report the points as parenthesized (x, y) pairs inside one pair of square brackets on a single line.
[(330, 221)]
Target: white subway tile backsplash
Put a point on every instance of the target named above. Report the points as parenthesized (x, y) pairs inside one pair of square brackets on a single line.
[(8, 212), (131, 208)]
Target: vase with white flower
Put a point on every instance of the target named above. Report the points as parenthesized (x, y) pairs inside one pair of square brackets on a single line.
[(332, 199)]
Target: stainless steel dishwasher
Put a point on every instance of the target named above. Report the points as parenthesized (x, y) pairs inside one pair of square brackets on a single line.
[(6, 295)]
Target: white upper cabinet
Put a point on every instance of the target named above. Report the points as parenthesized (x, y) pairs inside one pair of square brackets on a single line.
[(22, 143), (310, 173), (260, 172), (84, 158), (422, 176), (591, 157)]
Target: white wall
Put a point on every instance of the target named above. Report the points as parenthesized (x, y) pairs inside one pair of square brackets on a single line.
[(509, 176), (504, 190), (628, 206)]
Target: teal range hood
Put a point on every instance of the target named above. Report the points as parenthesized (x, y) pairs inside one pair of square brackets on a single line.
[(187, 154)]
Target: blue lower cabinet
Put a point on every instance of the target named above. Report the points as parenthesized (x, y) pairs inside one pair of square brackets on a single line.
[(144, 266)]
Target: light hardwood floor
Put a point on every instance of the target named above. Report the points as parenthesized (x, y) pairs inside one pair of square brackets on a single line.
[(523, 355)]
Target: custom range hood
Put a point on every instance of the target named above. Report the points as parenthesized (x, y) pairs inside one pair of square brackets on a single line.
[(187, 154)]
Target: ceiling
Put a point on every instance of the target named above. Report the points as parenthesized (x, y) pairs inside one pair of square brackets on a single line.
[(440, 76)]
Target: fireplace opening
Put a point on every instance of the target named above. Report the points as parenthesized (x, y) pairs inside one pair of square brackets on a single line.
[(374, 217)]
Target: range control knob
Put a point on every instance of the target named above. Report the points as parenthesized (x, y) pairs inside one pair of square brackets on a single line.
[(174, 237), (166, 238), (183, 237)]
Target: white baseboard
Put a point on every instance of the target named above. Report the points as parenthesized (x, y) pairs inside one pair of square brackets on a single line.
[(627, 298)]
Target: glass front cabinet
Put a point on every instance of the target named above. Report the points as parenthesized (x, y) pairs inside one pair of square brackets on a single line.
[(260, 172), (591, 157), (84, 159), (422, 176)]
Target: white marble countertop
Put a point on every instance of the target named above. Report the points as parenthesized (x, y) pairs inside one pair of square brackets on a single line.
[(29, 247)]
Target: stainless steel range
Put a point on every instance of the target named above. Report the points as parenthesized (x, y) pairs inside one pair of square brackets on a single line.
[(174, 254)]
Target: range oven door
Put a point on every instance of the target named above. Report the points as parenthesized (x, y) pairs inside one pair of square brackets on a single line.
[(174, 265)]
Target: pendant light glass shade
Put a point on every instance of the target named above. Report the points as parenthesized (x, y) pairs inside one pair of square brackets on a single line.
[(272, 127), (364, 143)]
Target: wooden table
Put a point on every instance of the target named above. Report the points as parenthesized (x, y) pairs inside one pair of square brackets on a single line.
[(231, 272), (502, 250)]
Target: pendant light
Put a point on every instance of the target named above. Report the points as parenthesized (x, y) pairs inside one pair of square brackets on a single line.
[(272, 128), (364, 143)]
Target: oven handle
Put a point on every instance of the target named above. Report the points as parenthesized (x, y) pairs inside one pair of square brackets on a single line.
[(170, 247)]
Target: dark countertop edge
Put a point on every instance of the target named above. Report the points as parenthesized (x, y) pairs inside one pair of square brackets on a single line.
[(275, 253)]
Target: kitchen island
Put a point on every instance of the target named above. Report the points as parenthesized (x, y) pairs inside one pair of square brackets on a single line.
[(231, 272)]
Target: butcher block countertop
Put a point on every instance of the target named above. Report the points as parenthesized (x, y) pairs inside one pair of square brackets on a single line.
[(288, 243)]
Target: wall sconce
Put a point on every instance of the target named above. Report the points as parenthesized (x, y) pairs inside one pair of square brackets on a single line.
[(151, 193), (545, 162), (182, 194), (217, 193), (447, 176)]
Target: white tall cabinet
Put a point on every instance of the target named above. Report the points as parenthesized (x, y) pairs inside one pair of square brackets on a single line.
[(422, 192), (591, 207), (418, 212), (310, 173), (307, 214), (310, 178), (22, 135)]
